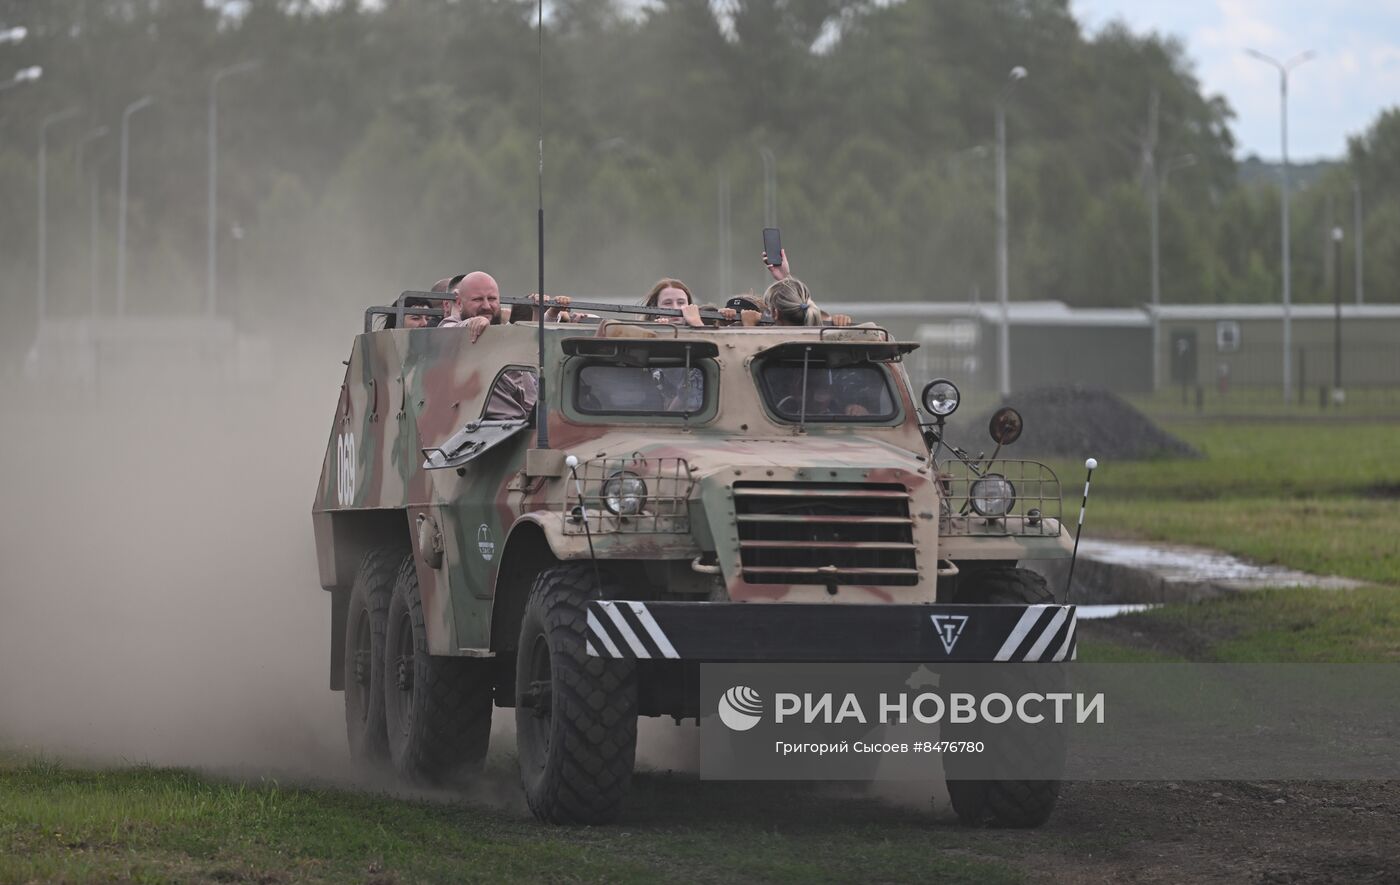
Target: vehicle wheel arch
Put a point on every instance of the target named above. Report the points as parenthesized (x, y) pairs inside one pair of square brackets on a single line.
[(343, 540), (527, 553)]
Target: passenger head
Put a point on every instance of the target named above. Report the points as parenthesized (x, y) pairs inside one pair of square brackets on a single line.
[(446, 286), (417, 320), (790, 304), (670, 294), (478, 295)]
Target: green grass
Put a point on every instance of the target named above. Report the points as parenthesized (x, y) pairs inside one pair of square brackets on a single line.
[(1099, 651), (156, 825), (1320, 498), (1296, 626)]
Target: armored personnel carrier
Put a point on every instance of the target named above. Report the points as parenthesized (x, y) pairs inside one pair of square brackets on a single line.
[(694, 495)]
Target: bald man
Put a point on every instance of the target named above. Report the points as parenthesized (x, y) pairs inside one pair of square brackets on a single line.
[(478, 305)]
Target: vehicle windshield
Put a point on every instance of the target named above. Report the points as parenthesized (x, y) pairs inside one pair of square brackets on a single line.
[(607, 389), (852, 392)]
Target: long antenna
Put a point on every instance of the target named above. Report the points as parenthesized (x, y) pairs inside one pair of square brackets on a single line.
[(541, 412), (1089, 465)]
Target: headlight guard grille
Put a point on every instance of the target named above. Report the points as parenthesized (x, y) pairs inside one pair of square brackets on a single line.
[(666, 510), (1034, 513)]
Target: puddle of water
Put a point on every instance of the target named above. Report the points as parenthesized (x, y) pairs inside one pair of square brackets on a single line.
[(1192, 565), (1096, 612)]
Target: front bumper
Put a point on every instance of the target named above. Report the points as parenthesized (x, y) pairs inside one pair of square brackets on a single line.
[(728, 631)]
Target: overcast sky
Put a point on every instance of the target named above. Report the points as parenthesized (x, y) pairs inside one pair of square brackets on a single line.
[(1355, 75)]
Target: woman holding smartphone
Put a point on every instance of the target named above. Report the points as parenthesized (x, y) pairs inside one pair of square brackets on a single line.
[(789, 302)]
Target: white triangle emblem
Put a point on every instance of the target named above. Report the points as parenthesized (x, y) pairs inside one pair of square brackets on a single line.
[(949, 628)]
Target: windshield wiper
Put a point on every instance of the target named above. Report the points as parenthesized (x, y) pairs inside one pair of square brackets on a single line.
[(802, 408)]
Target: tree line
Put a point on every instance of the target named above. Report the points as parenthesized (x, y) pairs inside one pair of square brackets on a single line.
[(381, 146)]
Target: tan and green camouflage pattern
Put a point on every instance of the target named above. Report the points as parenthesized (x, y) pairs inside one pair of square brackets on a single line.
[(406, 390)]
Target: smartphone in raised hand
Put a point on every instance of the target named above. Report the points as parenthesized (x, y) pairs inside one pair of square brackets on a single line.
[(773, 246)]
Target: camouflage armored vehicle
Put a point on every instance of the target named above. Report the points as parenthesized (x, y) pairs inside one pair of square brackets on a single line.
[(703, 494)]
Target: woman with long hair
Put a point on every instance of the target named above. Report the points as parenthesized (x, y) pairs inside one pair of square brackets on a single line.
[(674, 295)]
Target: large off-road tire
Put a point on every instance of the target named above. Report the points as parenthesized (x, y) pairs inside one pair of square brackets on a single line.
[(1008, 803), (364, 655), (575, 715), (437, 708)]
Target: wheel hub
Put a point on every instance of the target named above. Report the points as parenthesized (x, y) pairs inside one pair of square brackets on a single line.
[(361, 667), (538, 698), (404, 673)]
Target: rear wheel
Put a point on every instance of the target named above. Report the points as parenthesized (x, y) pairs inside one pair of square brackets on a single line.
[(575, 715), (437, 708), (364, 655), (1008, 803)]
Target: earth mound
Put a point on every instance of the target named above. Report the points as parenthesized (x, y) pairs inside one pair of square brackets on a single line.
[(1086, 421)]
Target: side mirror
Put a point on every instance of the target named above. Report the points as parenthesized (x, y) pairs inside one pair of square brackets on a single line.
[(1005, 426)]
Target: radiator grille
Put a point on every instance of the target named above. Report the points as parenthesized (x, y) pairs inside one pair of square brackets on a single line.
[(825, 533)]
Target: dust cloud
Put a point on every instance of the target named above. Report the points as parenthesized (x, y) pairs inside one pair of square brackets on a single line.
[(158, 592)]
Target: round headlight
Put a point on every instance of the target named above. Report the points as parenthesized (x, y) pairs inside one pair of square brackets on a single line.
[(625, 494), (992, 496), (941, 397)]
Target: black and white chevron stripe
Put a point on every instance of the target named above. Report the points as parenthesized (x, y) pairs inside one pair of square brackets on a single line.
[(618, 629), (702, 631), (1044, 633)]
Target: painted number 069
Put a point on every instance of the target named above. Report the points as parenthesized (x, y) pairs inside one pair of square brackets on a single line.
[(345, 469)]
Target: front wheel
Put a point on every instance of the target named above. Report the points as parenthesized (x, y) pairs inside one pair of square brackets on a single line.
[(575, 715), (1008, 803)]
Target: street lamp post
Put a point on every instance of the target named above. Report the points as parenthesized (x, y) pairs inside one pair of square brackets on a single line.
[(1016, 74), (43, 225), (89, 137), (770, 187), (1359, 232), (1155, 184), (1337, 315), (726, 258), (1283, 70), (211, 290), (144, 101), (93, 200)]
